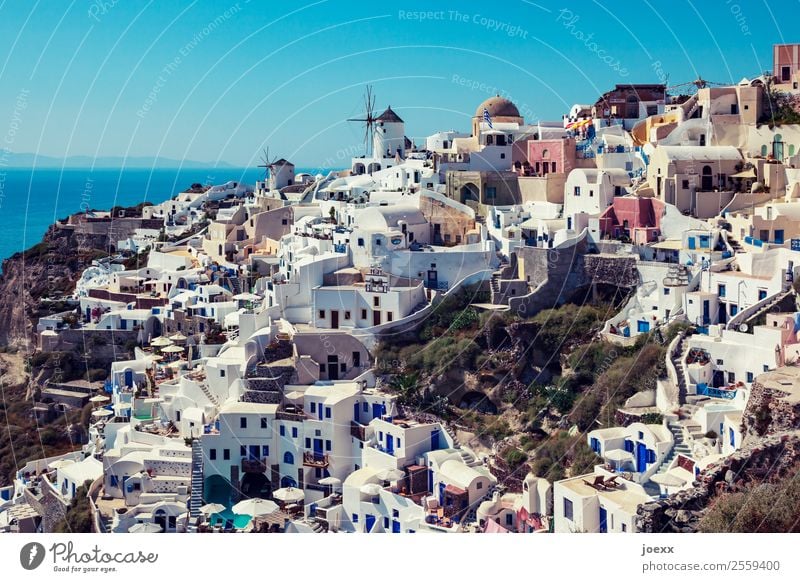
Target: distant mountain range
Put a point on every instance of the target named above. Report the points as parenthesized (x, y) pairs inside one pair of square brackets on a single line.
[(26, 160)]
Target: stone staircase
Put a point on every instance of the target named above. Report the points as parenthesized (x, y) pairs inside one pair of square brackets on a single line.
[(495, 283), (196, 497), (235, 285), (678, 357), (210, 395), (679, 447)]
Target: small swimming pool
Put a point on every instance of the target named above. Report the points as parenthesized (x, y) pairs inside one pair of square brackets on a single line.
[(218, 490)]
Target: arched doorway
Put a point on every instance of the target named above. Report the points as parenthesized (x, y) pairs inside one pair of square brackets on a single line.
[(470, 193), (255, 485), (707, 182), (777, 147), (288, 482), (358, 169)]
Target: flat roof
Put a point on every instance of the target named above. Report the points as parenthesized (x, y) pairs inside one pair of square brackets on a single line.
[(786, 379), (627, 499)]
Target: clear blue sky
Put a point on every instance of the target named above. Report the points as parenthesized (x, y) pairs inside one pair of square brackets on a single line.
[(217, 81)]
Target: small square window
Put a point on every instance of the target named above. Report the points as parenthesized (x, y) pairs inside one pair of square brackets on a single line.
[(363, 314), (283, 430), (294, 432), (212, 454), (226, 454), (347, 314), (243, 422), (264, 423), (376, 301), (322, 314)]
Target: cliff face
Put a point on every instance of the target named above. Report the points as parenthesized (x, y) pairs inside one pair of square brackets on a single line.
[(770, 454), (48, 269)]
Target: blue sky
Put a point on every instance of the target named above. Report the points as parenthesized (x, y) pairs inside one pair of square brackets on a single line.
[(220, 80)]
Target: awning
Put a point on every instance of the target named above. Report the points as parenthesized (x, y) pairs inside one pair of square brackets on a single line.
[(751, 173), (668, 245)]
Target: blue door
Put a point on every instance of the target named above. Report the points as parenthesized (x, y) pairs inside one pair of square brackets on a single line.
[(356, 411), (603, 520), (129, 377), (691, 242), (318, 448), (779, 237), (369, 521), (435, 440), (641, 457), (319, 410), (706, 313), (390, 444), (441, 493), (395, 526), (376, 410), (642, 326)]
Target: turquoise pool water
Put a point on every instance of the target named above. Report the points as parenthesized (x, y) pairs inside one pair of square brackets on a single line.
[(218, 490)]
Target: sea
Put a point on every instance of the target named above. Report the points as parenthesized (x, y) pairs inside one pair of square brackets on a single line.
[(31, 199)]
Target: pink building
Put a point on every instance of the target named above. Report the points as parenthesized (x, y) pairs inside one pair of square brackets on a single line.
[(551, 156), (633, 218), (785, 61)]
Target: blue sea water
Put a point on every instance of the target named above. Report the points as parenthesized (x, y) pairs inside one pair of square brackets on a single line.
[(32, 199)]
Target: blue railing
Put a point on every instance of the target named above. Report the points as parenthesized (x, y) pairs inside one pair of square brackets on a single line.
[(704, 389), (754, 241)]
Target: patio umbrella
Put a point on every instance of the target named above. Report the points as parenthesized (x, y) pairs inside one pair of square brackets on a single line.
[(173, 349), (161, 341), (371, 489), (390, 474), (146, 527), (255, 507), (289, 495), (100, 412), (330, 481), (210, 508), (619, 455), (246, 297), (177, 337), (99, 398)]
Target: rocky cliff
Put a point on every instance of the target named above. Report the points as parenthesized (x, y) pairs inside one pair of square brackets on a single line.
[(49, 269)]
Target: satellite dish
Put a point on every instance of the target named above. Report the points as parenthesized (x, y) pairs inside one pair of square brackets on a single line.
[(743, 328)]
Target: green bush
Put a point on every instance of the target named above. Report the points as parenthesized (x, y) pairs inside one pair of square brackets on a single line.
[(514, 458), (760, 508)]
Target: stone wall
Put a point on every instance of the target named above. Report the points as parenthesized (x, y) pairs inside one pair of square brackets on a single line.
[(554, 274), (769, 410), (772, 457)]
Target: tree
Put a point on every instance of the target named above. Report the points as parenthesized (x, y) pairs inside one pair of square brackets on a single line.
[(78, 518)]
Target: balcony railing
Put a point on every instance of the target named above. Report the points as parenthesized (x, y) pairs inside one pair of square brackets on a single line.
[(315, 460), (251, 465), (706, 390), (358, 431)]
